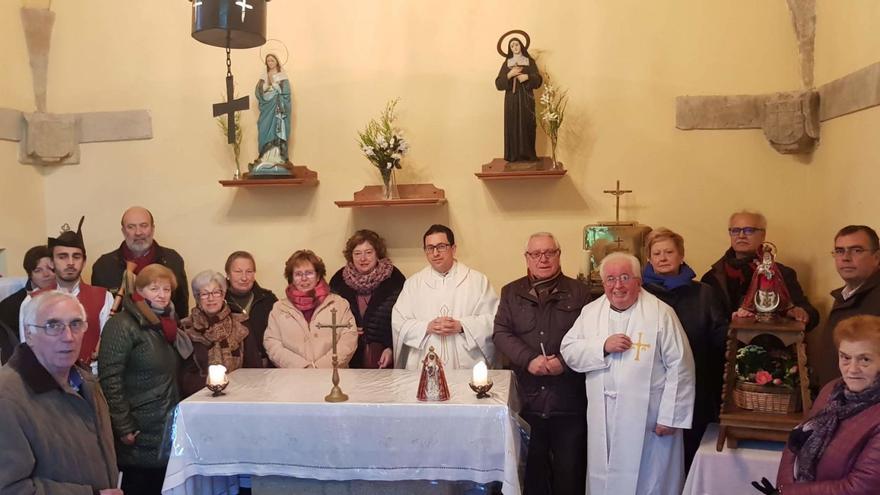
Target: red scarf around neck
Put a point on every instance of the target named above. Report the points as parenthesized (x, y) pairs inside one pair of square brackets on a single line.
[(306, 301), (166, 321), (141, 261)]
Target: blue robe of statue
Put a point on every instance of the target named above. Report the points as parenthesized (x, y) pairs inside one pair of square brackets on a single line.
[(273, 125)]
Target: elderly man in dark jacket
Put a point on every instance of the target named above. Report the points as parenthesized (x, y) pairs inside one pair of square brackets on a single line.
[(533, 316), (857, 259), (138, 250), (54, 424), (731, 274)]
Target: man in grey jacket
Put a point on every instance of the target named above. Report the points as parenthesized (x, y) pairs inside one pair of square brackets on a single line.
[(54, 422)]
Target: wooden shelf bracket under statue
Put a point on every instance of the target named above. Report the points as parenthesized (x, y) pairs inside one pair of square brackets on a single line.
[(742, 424), (499, 169), (409, 195), (301, 176)]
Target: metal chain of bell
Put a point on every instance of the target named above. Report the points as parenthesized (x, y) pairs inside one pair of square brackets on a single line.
[(228, 62)]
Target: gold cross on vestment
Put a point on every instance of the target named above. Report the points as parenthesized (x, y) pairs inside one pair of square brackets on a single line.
[(617, 193), (639, 346)]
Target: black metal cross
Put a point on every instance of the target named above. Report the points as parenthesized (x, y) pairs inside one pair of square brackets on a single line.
[(229, 107)]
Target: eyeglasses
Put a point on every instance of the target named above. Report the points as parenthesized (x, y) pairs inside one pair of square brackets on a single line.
[(744, 230), (303, 274), (854, 251), (537, 255), (440, 248), (359, 254), (53, 328), (209, 295), (611, 280)]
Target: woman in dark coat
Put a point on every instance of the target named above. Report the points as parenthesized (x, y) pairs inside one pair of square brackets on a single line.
[(837, 450), (138, 364), (370, 283), (669, 278), (518, 78), (245, 296), (38, 267)]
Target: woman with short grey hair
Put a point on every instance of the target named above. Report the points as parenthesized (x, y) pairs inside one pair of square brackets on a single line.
[(219, 336)]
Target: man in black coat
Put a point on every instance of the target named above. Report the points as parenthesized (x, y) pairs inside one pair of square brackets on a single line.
[(534, 314), (138, 250), (857, 259), (731, 274)]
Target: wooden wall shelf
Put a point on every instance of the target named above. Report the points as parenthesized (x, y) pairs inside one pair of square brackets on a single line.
[(410, 195), (302, 176), (499, 169)]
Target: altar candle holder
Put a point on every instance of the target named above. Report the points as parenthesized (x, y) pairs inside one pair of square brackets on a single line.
[(218, 388), (481, 390), (217, 379)]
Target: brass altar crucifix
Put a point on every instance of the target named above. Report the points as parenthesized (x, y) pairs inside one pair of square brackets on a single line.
[(336, 394), (617, 193), (639, 346)]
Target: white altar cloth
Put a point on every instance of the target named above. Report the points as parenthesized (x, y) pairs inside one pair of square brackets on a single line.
[(731, 471), (274, 422)]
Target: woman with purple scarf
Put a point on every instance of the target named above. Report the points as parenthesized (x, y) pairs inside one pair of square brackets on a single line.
[(837, 450), (295, 337), (668, 277), (370, 283)]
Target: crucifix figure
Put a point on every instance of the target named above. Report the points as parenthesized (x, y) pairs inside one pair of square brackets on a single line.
[(617, 193), (244, 7), (231, 105), (336, 394), (639, 346)]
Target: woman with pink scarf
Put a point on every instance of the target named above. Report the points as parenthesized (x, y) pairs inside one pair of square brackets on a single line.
[(370, 283), (293, 338)]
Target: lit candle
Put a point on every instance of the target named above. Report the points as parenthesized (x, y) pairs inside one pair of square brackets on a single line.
[(481, 374), (216, 374)]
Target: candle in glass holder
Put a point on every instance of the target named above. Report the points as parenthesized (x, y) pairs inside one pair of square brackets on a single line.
[(481, 374), (216, 374)]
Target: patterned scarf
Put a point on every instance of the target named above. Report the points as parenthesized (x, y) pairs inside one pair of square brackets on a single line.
[(366, 283), (222, 334), (668, 282), (809, 440), (308, 301), (164, 318)]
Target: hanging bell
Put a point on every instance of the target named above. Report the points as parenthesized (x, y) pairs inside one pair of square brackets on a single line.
[(229, 23)]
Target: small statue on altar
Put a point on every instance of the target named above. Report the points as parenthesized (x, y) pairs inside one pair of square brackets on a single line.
[(273, 125), (767, 295), (432, 384)]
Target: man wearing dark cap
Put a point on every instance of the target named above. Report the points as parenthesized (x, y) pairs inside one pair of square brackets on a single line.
[(38, 267), (116, 270), (68, 258)]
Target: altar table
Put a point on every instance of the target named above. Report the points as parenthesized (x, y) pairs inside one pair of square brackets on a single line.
[(731, 471), (275, 422)]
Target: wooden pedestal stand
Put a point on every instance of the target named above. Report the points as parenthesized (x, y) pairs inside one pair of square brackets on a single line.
[(301, 176), (742, 424), (410, 195), (499, 169)]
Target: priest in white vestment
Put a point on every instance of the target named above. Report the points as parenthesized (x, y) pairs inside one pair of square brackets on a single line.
[(640, 385), (447, 305)]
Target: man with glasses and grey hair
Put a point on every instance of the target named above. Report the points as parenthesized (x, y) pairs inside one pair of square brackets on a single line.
[(448, 306), (54, 422), (640, 384), (534, 314), (732, 274), (856, 256)]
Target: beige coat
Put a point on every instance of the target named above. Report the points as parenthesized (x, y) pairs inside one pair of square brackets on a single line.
[(292, 342), (53, 440)]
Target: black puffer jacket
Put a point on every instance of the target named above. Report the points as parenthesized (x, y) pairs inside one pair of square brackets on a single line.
[(376, 321), (258, 317)]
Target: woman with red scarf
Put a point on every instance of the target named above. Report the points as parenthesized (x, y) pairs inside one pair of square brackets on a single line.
[(138, 362), (370, 283), (293, 338)]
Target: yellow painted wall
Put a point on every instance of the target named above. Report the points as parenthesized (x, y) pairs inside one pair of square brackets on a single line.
[(623, 61)]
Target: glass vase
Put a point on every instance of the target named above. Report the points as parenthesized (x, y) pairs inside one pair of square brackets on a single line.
[(389, 185)]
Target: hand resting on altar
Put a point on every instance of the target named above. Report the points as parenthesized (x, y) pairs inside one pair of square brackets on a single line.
[(798, 313), (619, 342)]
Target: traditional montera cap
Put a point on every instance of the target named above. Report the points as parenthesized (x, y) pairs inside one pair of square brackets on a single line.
[(69, 238)]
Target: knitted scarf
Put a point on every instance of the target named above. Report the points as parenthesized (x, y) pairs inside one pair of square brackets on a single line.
[(809, 440), (222, 334), (366, 283), (163, 318), (141, 261), (668, 282), (308, 301), (739, 275)]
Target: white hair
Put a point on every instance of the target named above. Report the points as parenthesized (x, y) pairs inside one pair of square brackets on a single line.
[(619, 256), (759, 217), (33, 308), (205, 278), (542, 234)]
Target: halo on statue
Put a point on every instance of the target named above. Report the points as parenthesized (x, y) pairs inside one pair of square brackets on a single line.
[(769, 247), (274, 47), (526, 42)]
